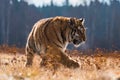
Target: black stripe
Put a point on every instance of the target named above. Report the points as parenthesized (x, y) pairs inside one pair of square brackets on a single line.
[(39, 36), (57, 35), (63, 34), (69, 35), (31, 45), (31, 42), (72, 33), (57, 44), (45, 27)]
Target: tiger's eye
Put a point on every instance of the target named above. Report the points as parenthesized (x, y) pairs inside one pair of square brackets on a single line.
[(79, 28)]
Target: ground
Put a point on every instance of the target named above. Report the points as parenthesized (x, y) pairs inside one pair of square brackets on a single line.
[(97, 65)]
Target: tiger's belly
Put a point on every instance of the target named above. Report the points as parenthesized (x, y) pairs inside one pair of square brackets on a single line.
[(42, 49)]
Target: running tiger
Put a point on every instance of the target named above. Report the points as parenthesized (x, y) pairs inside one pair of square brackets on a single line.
[(50, 37)]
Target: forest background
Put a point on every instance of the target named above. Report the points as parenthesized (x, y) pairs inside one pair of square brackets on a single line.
[(102, 20)]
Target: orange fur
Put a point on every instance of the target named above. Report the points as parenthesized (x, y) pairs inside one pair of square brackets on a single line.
[(56, 33)]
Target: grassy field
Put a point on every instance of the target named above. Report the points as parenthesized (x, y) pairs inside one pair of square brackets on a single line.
[(97, 65)]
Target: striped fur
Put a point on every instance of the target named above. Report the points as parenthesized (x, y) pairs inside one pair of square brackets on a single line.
[(57, 32)]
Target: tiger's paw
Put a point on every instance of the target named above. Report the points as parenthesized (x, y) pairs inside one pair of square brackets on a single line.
[(73, 64), (28, 64)]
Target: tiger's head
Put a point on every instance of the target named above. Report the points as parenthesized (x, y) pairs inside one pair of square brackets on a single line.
[(78, 31)]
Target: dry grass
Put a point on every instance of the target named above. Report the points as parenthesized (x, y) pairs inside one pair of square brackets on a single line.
[(98, 66)]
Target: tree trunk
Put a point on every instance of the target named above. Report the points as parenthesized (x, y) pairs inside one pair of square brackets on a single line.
[(3, 23), (8, 24)]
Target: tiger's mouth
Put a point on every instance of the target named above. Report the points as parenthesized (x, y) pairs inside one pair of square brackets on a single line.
[(77, 43)]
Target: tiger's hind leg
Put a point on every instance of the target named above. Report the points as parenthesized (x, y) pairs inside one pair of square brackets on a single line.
[(30, 56)]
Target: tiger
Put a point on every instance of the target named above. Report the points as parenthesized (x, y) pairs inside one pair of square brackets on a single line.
[(50, 37)]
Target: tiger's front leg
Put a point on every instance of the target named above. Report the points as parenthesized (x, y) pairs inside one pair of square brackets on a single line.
[(30, 56), (55, 57), (66, 61)]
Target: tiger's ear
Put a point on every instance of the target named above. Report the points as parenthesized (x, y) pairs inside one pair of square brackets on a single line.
[(71, 22), (82, 20)]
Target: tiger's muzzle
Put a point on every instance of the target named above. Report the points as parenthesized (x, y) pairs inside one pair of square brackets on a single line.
[(77, 41)]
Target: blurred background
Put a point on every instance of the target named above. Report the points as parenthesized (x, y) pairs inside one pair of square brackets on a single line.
[(102, 18)]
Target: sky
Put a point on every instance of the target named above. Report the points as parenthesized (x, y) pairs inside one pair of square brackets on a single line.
[(40, 3)]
